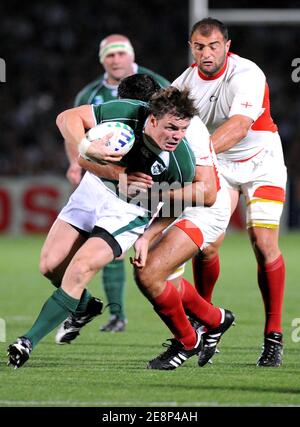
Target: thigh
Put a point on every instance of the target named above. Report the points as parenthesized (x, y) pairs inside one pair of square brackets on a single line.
[(93, 255), (265, 194), (60, 245), (205, 225), (85, 204), (234, 198), (125, 222), (166, 255)]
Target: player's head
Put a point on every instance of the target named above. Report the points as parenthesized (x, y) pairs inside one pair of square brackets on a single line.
[(138, 86), (116, 54), (171, 111), (209, 44)]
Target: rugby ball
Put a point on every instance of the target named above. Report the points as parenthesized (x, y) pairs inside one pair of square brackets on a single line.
[(122, 139)]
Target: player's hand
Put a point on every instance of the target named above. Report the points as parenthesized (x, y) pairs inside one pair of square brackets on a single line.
[(133, 183), (141, 247), (100, 150), (74, 174), (139, 179)]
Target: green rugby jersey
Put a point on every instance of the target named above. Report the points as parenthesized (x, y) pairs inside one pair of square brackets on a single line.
[(163, 166), (99, 91)]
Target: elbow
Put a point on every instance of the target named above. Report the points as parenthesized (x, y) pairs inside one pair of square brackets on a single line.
[(243, 131), (210, 199), (243, 127), (210, 195), (204, 196), (60, 120)]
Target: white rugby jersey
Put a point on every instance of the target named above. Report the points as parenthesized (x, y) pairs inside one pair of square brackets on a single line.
[(239, 88), (200, 142)]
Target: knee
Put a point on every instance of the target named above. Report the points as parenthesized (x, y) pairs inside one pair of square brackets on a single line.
[(47, 265), (265, 247), (149, 281), (78, 270), (77, 276), (143, 278), (208, 253)]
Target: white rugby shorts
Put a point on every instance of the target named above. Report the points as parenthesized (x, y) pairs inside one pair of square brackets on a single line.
[(262, 181), (93, 204), (204, 225)]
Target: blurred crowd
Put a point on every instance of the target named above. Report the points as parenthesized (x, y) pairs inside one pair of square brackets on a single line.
[(50, 49)]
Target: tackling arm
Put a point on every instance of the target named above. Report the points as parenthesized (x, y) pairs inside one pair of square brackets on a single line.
[(231, 132), (109, 171), (202, 192), (73, 122), (74, 170)]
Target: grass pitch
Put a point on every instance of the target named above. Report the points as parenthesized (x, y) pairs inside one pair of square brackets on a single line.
[(104, 369)]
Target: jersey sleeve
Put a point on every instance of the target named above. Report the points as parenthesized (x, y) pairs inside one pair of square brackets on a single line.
[(97, 112), (198, 138), (247, 88)]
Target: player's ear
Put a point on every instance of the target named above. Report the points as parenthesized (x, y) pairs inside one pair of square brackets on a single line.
[(227, 45), (153, 121)]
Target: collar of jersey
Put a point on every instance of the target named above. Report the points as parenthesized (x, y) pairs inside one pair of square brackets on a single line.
[(107, 84), (150, 145), (163, 155), (216, 76)]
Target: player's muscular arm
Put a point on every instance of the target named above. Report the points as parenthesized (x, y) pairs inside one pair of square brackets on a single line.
[(108, 171), (231, 132), (74, 170), (73, 122), (207, 177), (202, 192)]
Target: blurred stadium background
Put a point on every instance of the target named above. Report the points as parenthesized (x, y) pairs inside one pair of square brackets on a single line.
[(50, 50)]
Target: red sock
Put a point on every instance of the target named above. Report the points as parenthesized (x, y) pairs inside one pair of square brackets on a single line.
[(271, 281), (169, 307), (195, 305), (206, 274)]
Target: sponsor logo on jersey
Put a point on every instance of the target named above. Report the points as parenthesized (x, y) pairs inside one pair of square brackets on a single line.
[(157, 168)]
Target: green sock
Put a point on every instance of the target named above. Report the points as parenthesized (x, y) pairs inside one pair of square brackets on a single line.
[(54, 311), (114, 286), (83, 302)]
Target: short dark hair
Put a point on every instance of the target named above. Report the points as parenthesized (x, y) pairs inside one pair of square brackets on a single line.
[(207, 25), (172, 101), (138, 86)]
